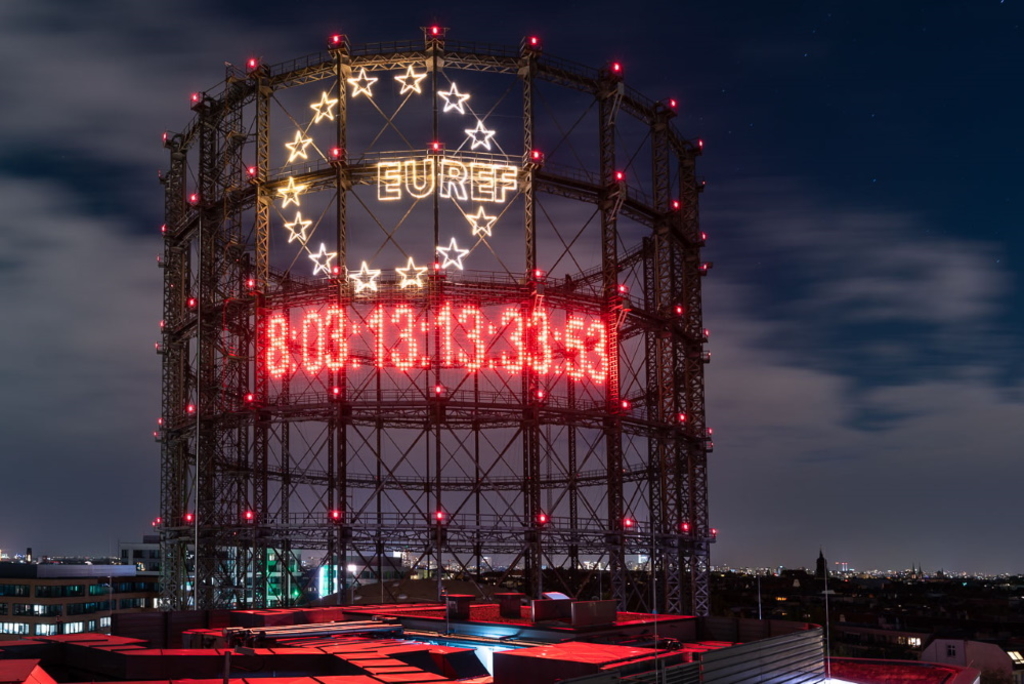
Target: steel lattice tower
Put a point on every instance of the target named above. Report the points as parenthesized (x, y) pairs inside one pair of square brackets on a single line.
[(549, 428)]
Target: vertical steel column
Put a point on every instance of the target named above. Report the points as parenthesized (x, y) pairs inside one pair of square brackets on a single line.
[(689, 372), (609, 96), (174, 448)]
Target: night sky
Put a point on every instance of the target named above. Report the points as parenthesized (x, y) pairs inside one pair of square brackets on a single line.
[(864, 210)]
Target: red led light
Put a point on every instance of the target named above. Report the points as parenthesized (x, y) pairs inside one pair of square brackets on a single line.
[(536, 155), (193, 198), (336, 39), (627, 523), (163, 228), (249, 516), (625, 404), (250, 397), (537, 273), (539, 394), (165, 136), (439, 516), (252, 171), (435, 30), (436, 146), (707, 333), (157, 522), (334, 515), (196, 98), (623, 288), (534, 41), (616, 68), (191, 408), (710, 432), (714, 531), (681, 417), (672, 103), (542, 518), (192, 301), (252, 63), (159, 421), (676, 204), (700, 144), (685, 527), (438, 390), (679, 309), (703, 236), (620, 176), (251, 283), (336, 392), (189, 518), (336, 153)]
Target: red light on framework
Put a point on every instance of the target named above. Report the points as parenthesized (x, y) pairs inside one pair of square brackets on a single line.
[(681, 417), (439, 515), (253, 171), (159, 421), (435, 147), (191, 408), (615, 68), (533, 41), (189, 518), (249, 398), (714, 531), (251, 283), (676, 204), (336, 39), (165, 136), (193, 198), (192, 301), (537, 273), (627, 523), (337, 153), (673, 103), (623, 288), (252, 63), (249, 516), (335, 392), (620, 176), (700, 144), (438, 390), (542, 519), (163, 228), (539, 394), (334, 515), (707, 333), (157, 522), (685, 527), (679, 309), (435, 30), (437, 265), (196, 98), (625, 404), (536, 156)]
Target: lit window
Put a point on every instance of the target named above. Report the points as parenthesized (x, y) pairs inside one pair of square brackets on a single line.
[(1015, 656), (914, 641)]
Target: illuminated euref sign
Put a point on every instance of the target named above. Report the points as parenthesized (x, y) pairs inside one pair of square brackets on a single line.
[(416, 177)]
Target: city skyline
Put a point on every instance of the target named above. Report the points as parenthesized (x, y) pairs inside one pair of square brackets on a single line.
[(866, 384)]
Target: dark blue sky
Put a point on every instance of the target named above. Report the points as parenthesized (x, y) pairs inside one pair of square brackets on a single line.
[(864, 214)]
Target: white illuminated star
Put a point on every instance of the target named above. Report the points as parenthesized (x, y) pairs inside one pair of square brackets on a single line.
[(449, 260), (362, 83), (480, 135), (414, 280), (299, 145), (365, 272), (291, 193), (324, 108), (453, 99), (323, 260), (298, 228), (481, 222), (410, 81)]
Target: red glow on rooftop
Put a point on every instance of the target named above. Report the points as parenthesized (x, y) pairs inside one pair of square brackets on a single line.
[(252, 63)]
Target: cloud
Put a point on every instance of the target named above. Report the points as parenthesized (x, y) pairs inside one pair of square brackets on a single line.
[(795, 464)]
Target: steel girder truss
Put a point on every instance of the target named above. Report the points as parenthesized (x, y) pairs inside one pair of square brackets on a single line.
[(387, 456)]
